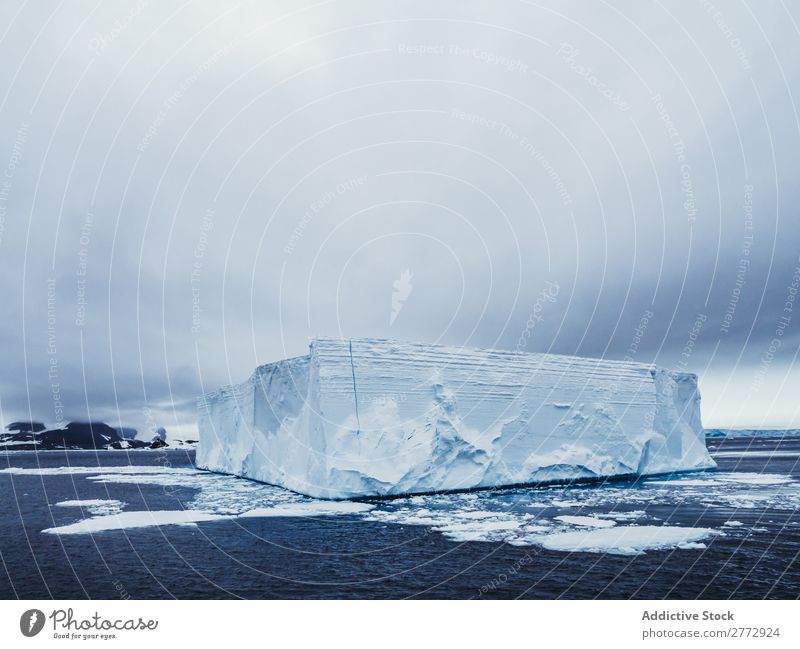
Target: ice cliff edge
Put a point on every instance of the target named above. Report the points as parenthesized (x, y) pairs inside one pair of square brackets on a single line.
[(367, 417)]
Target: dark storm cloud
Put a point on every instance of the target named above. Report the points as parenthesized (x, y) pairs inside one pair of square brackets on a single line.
[(191, 191)]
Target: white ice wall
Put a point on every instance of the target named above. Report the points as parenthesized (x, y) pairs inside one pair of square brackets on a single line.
[(258, 429), (377, 418)]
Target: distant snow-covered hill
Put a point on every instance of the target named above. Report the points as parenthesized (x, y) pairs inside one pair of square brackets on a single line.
[(92, 435), (730, 433)]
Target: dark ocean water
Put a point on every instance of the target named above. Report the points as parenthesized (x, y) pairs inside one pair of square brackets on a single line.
[(480, 545)]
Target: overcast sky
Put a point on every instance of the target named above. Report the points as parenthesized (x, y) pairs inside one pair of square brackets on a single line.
[(190, 190)]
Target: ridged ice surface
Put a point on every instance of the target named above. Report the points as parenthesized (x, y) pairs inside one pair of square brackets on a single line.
[(368, 417)]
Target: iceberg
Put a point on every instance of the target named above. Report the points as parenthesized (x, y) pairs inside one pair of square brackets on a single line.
[(365, 417)]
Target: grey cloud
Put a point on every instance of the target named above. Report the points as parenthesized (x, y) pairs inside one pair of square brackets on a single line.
[(260, 175)]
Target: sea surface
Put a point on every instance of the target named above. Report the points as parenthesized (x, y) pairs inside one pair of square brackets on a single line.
[(146, 524)]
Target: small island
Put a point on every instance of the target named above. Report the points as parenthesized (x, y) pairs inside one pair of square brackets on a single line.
[(81, 435)]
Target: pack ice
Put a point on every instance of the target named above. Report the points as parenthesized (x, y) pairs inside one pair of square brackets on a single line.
[(366, 417)]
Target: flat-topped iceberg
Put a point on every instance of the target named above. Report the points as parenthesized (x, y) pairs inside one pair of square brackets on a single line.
[(366, 417)]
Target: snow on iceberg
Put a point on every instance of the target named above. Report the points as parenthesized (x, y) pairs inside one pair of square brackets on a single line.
[(366, 417)]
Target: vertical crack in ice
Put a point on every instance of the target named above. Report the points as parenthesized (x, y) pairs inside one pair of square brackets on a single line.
[(355, 392)]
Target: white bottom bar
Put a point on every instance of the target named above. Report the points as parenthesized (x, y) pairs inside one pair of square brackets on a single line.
[(404, 624)]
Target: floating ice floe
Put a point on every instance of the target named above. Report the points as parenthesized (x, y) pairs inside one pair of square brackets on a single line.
[(318, 508), (130, 520), (585, 521), (151, 518), (756, 454), (721, 479), (627, 539), (97, 507)]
